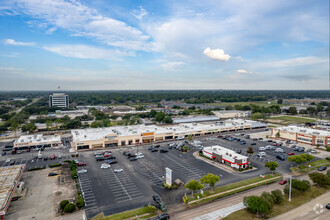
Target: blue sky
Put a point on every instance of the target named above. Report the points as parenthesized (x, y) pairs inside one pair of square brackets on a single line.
[(122, 44)]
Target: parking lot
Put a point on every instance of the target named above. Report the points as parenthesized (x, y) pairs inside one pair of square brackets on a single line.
[(107, 191)]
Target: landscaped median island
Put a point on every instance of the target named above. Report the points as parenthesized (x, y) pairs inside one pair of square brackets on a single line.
[(140, 213), (210, 195), (311, 166)]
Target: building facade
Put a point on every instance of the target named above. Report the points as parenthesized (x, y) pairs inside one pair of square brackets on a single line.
[(232, 114), (37, 141), (226, 156), (59, 100), (302, 135), (94, 138)]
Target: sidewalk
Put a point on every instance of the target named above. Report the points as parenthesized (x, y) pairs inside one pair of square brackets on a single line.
[(221, 213)]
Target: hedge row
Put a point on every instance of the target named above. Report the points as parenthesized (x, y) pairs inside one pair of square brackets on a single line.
[(55, 165)]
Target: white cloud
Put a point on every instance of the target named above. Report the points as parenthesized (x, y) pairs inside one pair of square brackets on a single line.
[(18, 43), (85, 52), (241, 71), (216, 54), (139, 14), (171, 65), (83, 21)]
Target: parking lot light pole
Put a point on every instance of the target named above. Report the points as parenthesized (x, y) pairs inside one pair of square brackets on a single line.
[(290, 189)]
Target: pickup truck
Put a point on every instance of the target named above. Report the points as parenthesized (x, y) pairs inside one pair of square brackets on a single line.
[(81, 164)]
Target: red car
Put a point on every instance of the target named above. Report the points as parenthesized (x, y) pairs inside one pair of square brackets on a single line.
[(291, 153), (52, 157), (220, 136), (275, 144), (81, 164), (282, 182), (107, 155)]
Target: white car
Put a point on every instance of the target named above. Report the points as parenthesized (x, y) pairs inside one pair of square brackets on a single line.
[(8, 160), (118, 170), (139, 156), (82, 171), (105, 166), (278, 150), (59, 156), (260, 154), (139, 153), (262, 148)]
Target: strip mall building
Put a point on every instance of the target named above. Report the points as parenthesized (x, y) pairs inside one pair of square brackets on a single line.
[(138, 134), (303, 135), (226, 156)]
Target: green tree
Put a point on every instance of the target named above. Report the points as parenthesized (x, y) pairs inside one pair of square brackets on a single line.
[(160, 116), (292, 110), (186, 112), (257, 116), (258, 205), (272, 165), (152, 113), (194, 185), (190, 137), (319, 179), (210, 179), (168, 120), (14, 126), (70, 207), (279, 101), (30, 127), (278, 197), (268, 197), (63, 203), (328, 173)]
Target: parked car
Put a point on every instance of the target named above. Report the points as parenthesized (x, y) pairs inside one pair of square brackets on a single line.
[(8, 160), (127, 151), (220, 136), (118, 170), (321, 168), (293, 146), (239, 151), (99, 158), (81, 164), (280, 157), (262, 148), (105, 166), (279, 150), (291, 153), (52, 157), (156, 146), (261, 154), (243, 142), (45, 158), (3, 153), (163, 151), (328, 206), (253, 143), (59, 156), (12, 162), (156, 198), (154, 150), (255, 139), (282, 182), (301, 149), (53, 174), (134, 158), (113, 161), (82, 171), (140, 156), (163, 216)]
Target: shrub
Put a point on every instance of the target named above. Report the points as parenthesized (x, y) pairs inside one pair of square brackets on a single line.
[(63, 204), (36, 168), (328, 173), (80, 201), (328, 158), (319, 179), (303, 185), (74, 174), (70, 207), (55, 165), (294, 191), (328, 148), (278, 197), (258, 205), (250, 150), (269, 198)]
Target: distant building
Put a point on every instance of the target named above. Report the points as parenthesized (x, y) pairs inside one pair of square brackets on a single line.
[(36, 141), (191, 119), (303, 135), (226, 156), (232, 114), (59, 100)]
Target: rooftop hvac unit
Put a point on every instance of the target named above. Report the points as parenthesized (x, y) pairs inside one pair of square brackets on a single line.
[(317, 133), (85, 136), (38, 139)]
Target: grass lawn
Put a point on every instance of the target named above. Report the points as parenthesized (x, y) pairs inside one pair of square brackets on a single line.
[(231, 187), (146, 211), (291, 119), (282, 208), (314, 165)]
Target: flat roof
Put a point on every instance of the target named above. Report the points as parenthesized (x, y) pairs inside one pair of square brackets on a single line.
[(224, 151), (100, 133), (232, 111), (308, 131), (195, 119), (37, 138), (9, 178)]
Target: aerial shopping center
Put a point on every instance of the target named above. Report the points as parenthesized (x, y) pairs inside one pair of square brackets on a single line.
[(139, 134)]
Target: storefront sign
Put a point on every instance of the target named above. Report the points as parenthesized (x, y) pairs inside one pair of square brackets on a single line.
[(168, 172), (110, 138), (147, 134)]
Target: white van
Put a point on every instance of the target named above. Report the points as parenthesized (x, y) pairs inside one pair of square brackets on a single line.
[(180, 138)]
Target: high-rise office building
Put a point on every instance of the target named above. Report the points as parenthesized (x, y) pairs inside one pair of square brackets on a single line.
[(59, 100)]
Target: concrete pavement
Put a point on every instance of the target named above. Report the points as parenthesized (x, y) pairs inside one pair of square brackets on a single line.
[(314, 209)]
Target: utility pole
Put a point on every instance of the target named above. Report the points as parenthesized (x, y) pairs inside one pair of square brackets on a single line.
[(290, 189)]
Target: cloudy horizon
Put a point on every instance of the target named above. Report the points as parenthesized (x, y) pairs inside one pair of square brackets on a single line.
[(164, 45)]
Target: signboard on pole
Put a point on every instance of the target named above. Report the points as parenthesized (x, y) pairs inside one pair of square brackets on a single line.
[(168, 172)]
